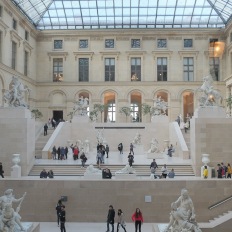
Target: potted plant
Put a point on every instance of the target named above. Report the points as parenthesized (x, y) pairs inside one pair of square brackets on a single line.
[(126, 111)]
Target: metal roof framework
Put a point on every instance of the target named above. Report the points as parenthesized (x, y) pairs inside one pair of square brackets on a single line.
[(117, 14)]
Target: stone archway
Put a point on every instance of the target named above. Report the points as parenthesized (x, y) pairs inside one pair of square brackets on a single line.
[(135, 105), (188, 104), (110, 109)]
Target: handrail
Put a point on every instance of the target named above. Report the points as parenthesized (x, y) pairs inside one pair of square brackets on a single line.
[(220, 202)]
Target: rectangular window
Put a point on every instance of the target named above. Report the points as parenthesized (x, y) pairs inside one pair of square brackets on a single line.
[(109, 69), (26, 55), (188, 68), (135, 69), (214, 67), (83, 43), (13, 55), (0, 11), (14, 24), (135, 43), (161, 43), (162, 69), (112, 111), (58, 44), (231, 37), (57, 69), (109, 43), (26, 35), (83, 69), (188, 43)]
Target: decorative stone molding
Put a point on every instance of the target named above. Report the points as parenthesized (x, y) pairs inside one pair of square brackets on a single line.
[(8, 11), (159, 53), (122, 38), (175, 38), (70, 39), (15, 36), (89, 54), (57, 54), (3, 25), (27, 46), (116, 54), (96, 38), (135, 53), (188, 53), (148, 38)]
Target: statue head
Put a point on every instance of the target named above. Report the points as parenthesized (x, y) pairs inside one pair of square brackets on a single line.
[(8, 192), (184, 193)]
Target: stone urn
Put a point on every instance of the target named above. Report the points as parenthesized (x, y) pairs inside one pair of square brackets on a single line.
[(16, 159), (205, 159)]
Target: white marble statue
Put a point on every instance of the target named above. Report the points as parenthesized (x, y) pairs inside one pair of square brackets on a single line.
[(10, 220), (86, 146), (154, 146), (182, 216), (126, 170), (15, 96), (100, 137), (81, 106), (209, 96), (92, 170), (137, 138), (160, 106)]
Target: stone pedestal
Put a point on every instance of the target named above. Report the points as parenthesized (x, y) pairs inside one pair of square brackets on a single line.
[(94, 176), (125, 176), (155, 155), (138, 149), (17, 136), (16, 171), (80, 119)]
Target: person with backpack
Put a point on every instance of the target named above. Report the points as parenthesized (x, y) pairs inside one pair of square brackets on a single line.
[(62, 215), (130, 159), (120, 148), (83, 159), (58, 211)]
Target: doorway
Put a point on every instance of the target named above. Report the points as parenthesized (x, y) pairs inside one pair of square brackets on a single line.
[(57, 115)]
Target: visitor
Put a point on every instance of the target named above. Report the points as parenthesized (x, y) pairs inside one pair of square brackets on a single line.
[(1, 170), (62, 153), (49, 123), (170, 150), (171, 174), (66, 152), (110, 218), (130, 159), (205, 172), (58, 152), (229, 171), (164, 171), (83, 159), (224, 170), (121, 221), (153, 167), (219, 171), (54, 151), (132, 148), (120, 148), (107, 149), (45, 129), (75, 153), (137, 218), (43, 174), (99, 158), (50, 174), (62, 219), (58, 211), (106, 173)]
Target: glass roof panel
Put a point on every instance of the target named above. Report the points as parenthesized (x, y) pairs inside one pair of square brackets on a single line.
[(81, 14)]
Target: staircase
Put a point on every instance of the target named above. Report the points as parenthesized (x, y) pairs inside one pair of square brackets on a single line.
[(40, 143), (186, 138), (76, 170)]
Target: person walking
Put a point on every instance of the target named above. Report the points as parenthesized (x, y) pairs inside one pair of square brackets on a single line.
[(54, 151), (121, 221), (205, 172), (83, 159), (62, 219), (132, 148), (120, 148), (137, 218), (58, 211), (164, 171), (130, 159), (107, 149), (229, 171), (45, 129), (110, 218), (1, 170)]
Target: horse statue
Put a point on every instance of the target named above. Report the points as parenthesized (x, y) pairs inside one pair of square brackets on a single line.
[(160, 106), (15, 96), (81, 106), (209, 96)]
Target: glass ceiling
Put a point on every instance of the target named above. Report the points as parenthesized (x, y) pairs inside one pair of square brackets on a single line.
[(101, 14)]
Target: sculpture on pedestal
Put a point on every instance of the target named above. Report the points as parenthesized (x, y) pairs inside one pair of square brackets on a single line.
[(80, 106), (154, 146), (182, 216), (126, 170), (92, 170), (15, 96), (209, 96), (160, 106), (137, 139), (100, 138), (10, 220)]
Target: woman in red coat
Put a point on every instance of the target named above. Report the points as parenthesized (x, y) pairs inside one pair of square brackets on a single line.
[(137, 217)]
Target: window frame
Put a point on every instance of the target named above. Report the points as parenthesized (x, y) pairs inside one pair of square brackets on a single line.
[(161, 70), (110, 70), (14, 24), (188, 71), (60, 69), (26, 62), (13, 54), (80, 69), (133, 71)]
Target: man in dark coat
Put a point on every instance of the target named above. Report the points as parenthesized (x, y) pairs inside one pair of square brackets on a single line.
[(110, 218), (45, 129), (62, 219)]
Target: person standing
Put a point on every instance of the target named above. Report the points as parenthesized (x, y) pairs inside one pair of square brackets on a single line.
[(205, 172), (45, 129), (62, 219), (1, 170), (164, 171), (120, 148), (58, 211), (110, 218), (137, 218), (83, 159), (219, 171), (130, 159), (121, 221), (54, 151), (107, 149), (229, 171), (132, 148), (171, 174)]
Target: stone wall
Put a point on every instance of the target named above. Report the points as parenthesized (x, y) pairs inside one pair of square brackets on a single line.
[(88, 200)]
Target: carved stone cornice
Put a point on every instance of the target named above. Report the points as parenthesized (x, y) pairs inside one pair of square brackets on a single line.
[(189, 53), (135, 53), (89, 54), (14, 35), (162, 53), (96, 38), (122, 38), (109, 53), (27, 46), (57, 54)]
